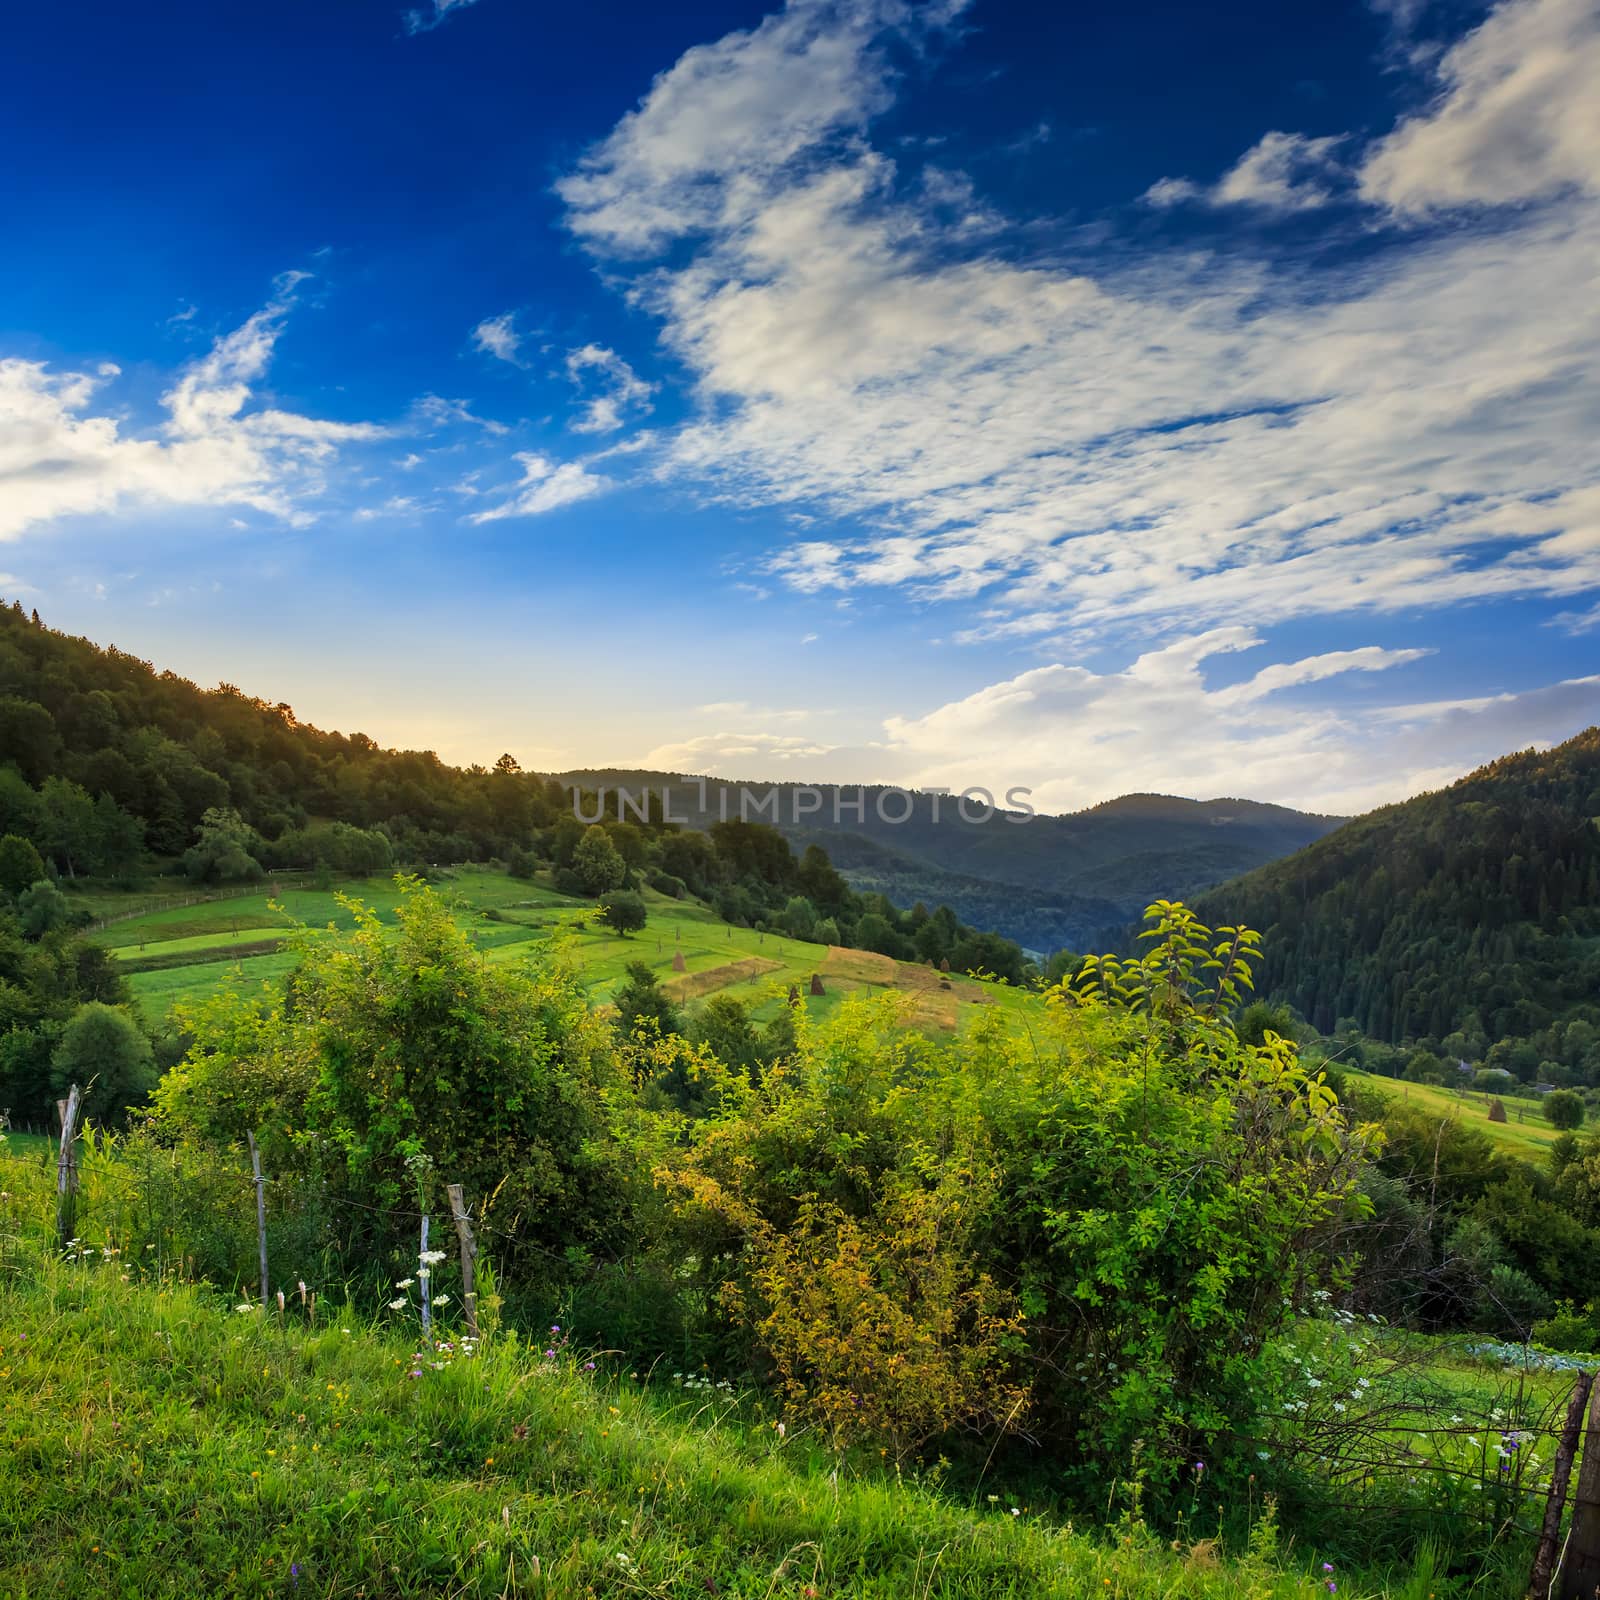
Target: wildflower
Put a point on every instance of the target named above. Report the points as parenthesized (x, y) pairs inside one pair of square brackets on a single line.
[(395, 1305), (246, 1307), (441, 1299), (404, 1283), (431, 1258), (588, 1366), (1327, 1566)]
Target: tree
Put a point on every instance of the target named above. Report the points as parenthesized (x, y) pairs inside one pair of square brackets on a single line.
[(724, 1027), (1564, 1109), (28, 737), (642, 1000), (622, 911), (118, 837), (20, 865), (227, 850), (42, 909), (596, 862), (69, 825), (102, 1049), (799, 918)]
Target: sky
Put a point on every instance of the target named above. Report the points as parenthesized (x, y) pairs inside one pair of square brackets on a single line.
[(1089, 399)]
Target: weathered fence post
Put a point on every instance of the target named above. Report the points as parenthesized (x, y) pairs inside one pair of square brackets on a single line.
[(67, 1170), (1580, 1565), (469, 1254), (261, 1217), (425, 1278), (1555, 1503)]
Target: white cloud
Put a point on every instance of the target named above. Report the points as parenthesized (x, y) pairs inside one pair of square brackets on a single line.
[(218, 445), (731, 115), (621, 388), (1163, 438), (1517, 115), (437, 11), (546, 486), (722, 753), (498, 337), (1075, 737), (1281, 172)]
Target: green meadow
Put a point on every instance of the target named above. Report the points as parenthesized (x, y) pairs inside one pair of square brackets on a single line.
[(1524, 1133), (180, 953)]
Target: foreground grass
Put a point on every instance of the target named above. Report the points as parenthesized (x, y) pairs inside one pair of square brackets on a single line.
[(154, 1443)]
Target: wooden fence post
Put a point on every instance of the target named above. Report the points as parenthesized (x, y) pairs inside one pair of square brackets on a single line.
[(1555, 1503), (1580, 1566), (261, 1216), (67, 1169), (469, 1254), (425, 1278)]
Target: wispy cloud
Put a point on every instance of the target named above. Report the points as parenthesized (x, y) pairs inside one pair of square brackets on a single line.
[(620, 389), (546, 486), (1282, 172), (1098, 441), (218, 445), (433, 14), (1516, 118), (498, 337)]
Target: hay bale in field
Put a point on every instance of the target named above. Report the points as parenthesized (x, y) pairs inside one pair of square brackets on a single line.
[(816, 983), (1497, 1111), (794, 994), (944, 963), (678, 963)]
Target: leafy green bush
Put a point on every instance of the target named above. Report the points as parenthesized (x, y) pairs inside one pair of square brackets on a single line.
[(1139, 1202), (399, 1043)]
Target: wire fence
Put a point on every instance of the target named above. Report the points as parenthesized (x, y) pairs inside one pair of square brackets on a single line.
[(1397, 1452)]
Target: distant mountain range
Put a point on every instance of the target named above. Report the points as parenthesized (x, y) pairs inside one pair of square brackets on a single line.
[(1049, 882)]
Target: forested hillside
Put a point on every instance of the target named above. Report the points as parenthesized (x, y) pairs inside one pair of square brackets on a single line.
[(1468, 916)]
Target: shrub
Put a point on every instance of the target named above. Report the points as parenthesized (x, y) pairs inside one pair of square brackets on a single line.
[(1564, 1109), (399, 1043), (1568, 1329), (102, 1049), (1142, 1202)]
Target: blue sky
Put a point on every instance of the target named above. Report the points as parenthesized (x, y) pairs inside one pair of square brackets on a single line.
[(1142, 397)]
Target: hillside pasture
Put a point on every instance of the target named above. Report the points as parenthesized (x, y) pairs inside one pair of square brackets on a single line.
[(183, 953), (1524, 1133)]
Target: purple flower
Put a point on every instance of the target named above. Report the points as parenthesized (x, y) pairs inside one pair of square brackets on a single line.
[(588, 1366), (294, 1570), (1327, 1566)]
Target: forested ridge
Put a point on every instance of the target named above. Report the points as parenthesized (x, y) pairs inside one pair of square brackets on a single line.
[(1468, 916)]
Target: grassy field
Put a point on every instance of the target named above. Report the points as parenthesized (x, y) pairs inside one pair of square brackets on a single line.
[(1525, 1133), (185, 952), (155, 1443)]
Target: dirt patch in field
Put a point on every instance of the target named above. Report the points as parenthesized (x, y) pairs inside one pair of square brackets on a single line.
[(936, 997), (692, 985)]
